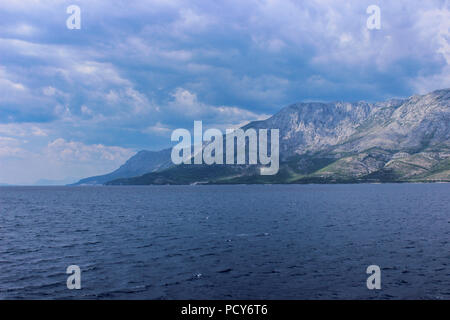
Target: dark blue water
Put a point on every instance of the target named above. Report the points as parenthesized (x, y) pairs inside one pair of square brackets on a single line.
[(226, 242)]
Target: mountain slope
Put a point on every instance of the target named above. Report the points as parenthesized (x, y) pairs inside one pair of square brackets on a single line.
[(139, 164), (397, 140)]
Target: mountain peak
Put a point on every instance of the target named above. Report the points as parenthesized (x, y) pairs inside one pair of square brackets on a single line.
[(393, 140)]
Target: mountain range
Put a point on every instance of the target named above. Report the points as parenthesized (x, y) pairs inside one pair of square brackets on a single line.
[(398, 140), (141, 163)]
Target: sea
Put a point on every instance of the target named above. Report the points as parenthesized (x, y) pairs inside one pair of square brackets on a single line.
[(226, 241)]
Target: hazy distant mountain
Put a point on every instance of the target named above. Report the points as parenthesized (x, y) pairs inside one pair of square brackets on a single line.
[(47, 182), (400, 140), (139, 164)]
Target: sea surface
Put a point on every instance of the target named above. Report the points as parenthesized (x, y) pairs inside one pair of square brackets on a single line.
[(226, 242)]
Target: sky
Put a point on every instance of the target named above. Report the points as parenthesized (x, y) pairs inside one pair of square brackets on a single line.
[(80, 102)]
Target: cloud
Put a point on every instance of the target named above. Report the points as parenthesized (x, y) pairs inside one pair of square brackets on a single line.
[(434, 25), (22, 130), (9, 147), (57, 160), (9, 86), (186, 103), (72, 151), (138, 69), (158, 129)]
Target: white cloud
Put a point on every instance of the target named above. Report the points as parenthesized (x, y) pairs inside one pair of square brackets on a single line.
[(158, 129), (72, 151), (49, 91), (21, 130), (21, 29), (10, 147), (128, 99), (97, 73), (28, 153), (6, 84), (36, 131), (434, 25), (85, 110), (187, 103)]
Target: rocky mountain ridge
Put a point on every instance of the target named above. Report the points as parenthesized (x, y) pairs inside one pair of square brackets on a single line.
[(399, 140)]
